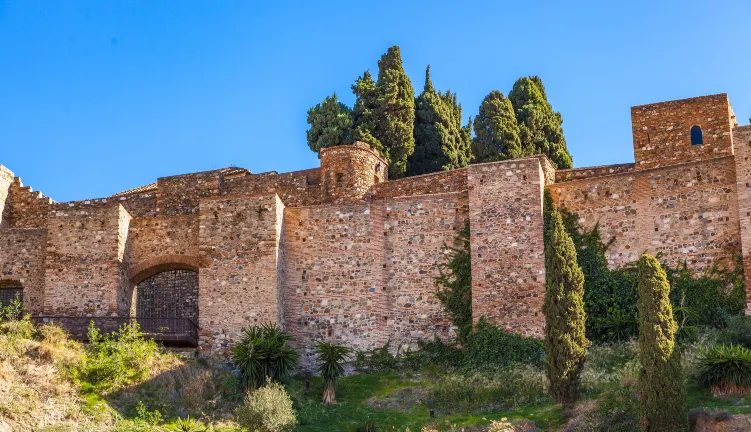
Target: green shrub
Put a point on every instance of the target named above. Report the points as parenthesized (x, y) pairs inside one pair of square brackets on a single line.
[(617, 411), (737, 332), (662, 397), (492, 346), (118, 360), (21, 328), (725, 369), (434, 354), (378, 360), (11, 311), (503, 390), (263, 353), (455, 285), (268, 409)]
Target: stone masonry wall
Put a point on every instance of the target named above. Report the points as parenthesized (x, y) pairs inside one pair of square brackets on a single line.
[(239, 237), (435, 183), (179, 195), (83, 269), (662, 131), (416, 231), (6, 180), (589, 172), (687, 212), (349, 172), (22, 254), (742, 145), (334, 275), (295, 189), (29, 208), (508, 262), (155, 237)]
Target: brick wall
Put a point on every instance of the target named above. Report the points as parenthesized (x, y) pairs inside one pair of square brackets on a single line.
[(334, 275), (435, 183), (179, 195), (349, 172), (687, 212), (239, 236), (416, 230), (6, 180), (742, 145), (83, 267), (662, 131), (508, 262), (22, 254), (29, 208)]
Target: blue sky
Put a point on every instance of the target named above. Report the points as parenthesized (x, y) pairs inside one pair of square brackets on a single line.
[(102, 96)]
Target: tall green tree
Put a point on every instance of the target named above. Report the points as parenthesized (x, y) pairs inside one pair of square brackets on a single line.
[(330, 124), (496, 130), (539, 126), (441, 143), (662, 397), (395, 112), (364, 121), (565, 340)]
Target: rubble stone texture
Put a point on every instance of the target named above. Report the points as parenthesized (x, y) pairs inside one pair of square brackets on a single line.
[(342, 254)]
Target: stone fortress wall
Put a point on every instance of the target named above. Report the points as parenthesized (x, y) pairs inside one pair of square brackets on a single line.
[(341, 253)]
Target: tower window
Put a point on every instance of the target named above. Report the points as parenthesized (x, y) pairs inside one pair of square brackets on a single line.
[(696, 136), (339, 179)]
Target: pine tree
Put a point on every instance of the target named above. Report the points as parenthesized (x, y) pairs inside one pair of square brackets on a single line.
[(496, 131), (330, 124), (364, 113), (662, 397), (565, 340), (539, 126), (440, 140), (395, 112)]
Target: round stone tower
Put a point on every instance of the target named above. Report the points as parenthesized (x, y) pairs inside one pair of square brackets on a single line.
[(349, 171)]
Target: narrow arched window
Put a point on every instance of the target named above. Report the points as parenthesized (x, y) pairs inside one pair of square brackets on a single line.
[(696, 136)]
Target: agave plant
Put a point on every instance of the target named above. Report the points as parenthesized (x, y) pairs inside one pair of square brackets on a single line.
[(331, 360), (726, 369), (263, 352)]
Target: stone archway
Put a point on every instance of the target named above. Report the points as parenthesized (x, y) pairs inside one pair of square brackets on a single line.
[(168, 294)]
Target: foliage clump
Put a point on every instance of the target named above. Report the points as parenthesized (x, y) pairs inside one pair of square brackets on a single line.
[(330, 124), (268, 409), (565, 340), (661, 392), (262, 353), (725, 369), (441, 142), (117, 360), (493, 347), (454, 285), (496, 131)]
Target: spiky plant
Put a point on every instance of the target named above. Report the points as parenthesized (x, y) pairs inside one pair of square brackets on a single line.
[(726, 369), (331, 359), (263, 352)]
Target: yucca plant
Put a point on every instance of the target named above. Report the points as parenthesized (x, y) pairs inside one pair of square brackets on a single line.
[(331, 360), (263, 352), (725, 369)]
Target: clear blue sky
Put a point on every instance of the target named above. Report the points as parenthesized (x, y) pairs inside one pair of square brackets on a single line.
[(101, 96)]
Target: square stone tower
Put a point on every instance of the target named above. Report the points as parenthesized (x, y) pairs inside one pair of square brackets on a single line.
[(681, 131)]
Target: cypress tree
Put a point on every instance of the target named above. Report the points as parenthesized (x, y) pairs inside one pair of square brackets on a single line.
[(395, 112), (496, 130), (539, 126), (565, 340), (364, 113), (440, 141), (662, 398), (330, 124)]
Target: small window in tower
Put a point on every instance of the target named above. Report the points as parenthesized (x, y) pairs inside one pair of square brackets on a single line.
[(696, 136), (339, 179)]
